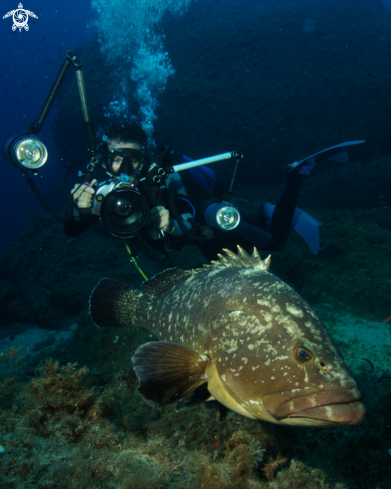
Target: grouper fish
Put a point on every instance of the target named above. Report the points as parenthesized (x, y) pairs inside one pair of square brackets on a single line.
[(237, 333)]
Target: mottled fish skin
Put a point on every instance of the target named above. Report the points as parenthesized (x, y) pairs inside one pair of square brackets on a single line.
[(259, 346), (250, 323)]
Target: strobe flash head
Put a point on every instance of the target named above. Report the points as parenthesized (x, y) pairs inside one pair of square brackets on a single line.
[(27, 152), (224, 216)]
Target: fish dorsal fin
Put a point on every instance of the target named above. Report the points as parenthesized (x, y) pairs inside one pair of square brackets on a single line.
[(166, 280), (173, 276), (242, 259)]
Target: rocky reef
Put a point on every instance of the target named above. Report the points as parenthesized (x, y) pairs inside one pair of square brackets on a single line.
[(70, 412)]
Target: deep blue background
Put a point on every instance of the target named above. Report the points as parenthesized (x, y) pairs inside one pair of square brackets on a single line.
[(203, 89), (29, 61)]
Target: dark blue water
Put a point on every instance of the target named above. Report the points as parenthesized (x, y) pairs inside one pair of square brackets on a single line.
[(29, 62), (276, 80)]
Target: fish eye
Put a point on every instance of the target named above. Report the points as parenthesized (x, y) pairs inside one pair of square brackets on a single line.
[(302, 354)]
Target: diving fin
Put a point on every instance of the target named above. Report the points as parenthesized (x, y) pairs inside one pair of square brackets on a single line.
[(333, 153), (303, 223)]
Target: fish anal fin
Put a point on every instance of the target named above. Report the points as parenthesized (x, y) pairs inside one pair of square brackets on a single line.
[(167, 372)]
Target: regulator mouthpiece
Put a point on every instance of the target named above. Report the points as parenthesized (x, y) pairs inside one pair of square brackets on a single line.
[(224, 216), (26, 152)]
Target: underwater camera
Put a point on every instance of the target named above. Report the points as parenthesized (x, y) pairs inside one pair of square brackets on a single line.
[(121, 206), (27, 152)]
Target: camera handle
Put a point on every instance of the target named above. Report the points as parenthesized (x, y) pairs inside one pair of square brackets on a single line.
[(206, 161)]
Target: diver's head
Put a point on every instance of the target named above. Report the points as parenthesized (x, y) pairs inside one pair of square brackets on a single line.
[(125, 157), (125, 144)]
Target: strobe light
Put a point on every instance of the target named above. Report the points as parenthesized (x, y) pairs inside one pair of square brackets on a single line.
[(26, 152)]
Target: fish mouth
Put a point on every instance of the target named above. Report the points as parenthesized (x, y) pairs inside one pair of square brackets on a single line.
[(330, 407)]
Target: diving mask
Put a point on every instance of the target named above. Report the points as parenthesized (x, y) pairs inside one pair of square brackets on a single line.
[(125, 160)]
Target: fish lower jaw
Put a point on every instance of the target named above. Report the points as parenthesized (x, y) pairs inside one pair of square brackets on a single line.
[(320, 408), (349, 413)]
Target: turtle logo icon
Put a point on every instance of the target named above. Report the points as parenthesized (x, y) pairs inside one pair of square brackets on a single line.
[(20, 17)]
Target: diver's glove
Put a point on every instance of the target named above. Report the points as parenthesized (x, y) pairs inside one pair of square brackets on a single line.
[(82, 197), (159, 217)]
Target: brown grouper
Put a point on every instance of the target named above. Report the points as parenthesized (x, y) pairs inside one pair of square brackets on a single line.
[(233, 332)]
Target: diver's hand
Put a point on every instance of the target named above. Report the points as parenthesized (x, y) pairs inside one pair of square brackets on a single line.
[(82, 196), (160, 217)]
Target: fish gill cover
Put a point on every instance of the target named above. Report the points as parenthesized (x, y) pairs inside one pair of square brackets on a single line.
[(130, 36)]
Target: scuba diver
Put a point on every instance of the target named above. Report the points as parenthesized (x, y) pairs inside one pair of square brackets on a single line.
[(160, 194), (145, 197), (125, 156)]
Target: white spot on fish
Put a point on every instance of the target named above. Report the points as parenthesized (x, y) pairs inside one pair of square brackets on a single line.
[(292, 309), (229, 346), (306, 378), (268, 317)]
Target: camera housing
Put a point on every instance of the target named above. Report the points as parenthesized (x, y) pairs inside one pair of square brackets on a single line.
[(121, 206)]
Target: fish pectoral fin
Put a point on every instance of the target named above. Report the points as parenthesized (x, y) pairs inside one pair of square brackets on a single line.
[(167, 372)]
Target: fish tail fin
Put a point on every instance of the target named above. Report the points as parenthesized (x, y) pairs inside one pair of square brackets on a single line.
[(167, 372), (113, 304)]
